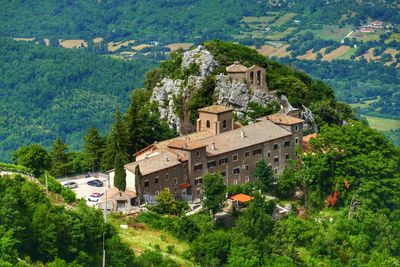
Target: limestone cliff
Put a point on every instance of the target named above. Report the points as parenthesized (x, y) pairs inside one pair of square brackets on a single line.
[(227, 92)]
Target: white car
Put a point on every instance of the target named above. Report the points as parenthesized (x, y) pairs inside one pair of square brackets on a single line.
[(93, 198), (70, 185)]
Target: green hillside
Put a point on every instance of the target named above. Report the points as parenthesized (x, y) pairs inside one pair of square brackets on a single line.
[(47, 92)]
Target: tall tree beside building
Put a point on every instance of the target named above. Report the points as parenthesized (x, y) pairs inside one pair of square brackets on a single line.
[(117, 142), (214, 191), (264, 176), (138, 184), (120, 174), (60, 158), (93, 149)]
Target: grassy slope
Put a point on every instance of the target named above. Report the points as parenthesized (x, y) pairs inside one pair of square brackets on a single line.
[(146, 238)]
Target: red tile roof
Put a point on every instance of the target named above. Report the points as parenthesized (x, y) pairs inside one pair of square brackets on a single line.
[(216, 109), (241, 198)]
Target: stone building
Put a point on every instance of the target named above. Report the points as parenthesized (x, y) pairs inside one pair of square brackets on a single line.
[(254, 76), (219, 145)]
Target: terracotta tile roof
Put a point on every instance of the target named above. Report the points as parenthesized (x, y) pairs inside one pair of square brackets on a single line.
[(255, 133), (216, 109), (236, 67), (241, 198), (113, 192), (185, 144), (283, 119), (166, 159)]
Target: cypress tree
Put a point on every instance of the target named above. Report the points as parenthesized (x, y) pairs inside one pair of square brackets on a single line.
[(60, 158), (120, 174), (138, 184)]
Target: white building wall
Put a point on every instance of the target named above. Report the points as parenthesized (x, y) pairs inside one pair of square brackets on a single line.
[(130, 179)]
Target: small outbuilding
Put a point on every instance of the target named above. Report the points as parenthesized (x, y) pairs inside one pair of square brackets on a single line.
[(117, 200), (253, 76), (239, 201)]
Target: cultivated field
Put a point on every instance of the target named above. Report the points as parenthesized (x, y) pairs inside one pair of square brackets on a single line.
[(98, 40), (176, 46), (381, 123), (140, 47), (24, 39), (268, 50), (338, 52), (285, 18), (114, 46), (72, 43)]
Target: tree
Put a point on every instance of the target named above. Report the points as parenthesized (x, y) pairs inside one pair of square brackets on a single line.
[(60, 158), (34, 157), (117, 143), (119, 170), (166, 202), (138, 184), (264, 175), (93, 149), (214, 192)]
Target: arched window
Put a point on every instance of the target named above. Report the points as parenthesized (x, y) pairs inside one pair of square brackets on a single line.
[(208, 124), (224, 124), (258, 77), (252, 77)]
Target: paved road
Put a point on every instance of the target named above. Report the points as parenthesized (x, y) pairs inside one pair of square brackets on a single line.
[(84, 190)]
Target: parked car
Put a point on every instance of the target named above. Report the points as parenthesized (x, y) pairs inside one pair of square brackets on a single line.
[(93, 198), (70, 184), (95, 182), (97, 194)]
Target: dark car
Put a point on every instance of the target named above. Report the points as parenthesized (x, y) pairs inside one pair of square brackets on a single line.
[(95, 182)]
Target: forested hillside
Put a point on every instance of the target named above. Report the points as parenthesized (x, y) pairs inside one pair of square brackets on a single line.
[(48, 92)]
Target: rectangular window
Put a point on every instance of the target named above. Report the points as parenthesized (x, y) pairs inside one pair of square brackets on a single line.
[(269, 154), (247, 154), (146, 183), (236, 170), (275, 146), (287, 156), (296, 128), (247, 179), (235, 157), (257, 152), (235, 181), (297, 140), (175, 181), (198, 181), (276, 159), (211, 164), (198, 191), (223, 160), (198, 167), (276, 170), (198, 154), (223, 173), (247, 167), (287, 143), (166, 177), (156, 180)]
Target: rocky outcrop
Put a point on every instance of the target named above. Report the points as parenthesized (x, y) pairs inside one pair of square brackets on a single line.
[(310, 126), (168, 89), (163, 95), (201, 57), (237, 95)]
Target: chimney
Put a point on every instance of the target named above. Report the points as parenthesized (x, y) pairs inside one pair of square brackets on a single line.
[(213, 146), (242, 135)]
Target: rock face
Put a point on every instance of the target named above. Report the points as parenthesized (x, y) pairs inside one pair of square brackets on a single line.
[(202, 57), (163, 95), (238, 95), (165, 92), (310, 125)]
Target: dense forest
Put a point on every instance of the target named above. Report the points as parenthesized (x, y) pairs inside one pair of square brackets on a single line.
[(48, 92), (171, 21)]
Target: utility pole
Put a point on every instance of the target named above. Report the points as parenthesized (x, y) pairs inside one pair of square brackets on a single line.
[(46, 183), (105, 221)]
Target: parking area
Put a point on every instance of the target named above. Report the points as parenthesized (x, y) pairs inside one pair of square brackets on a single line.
[(84, 190)]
